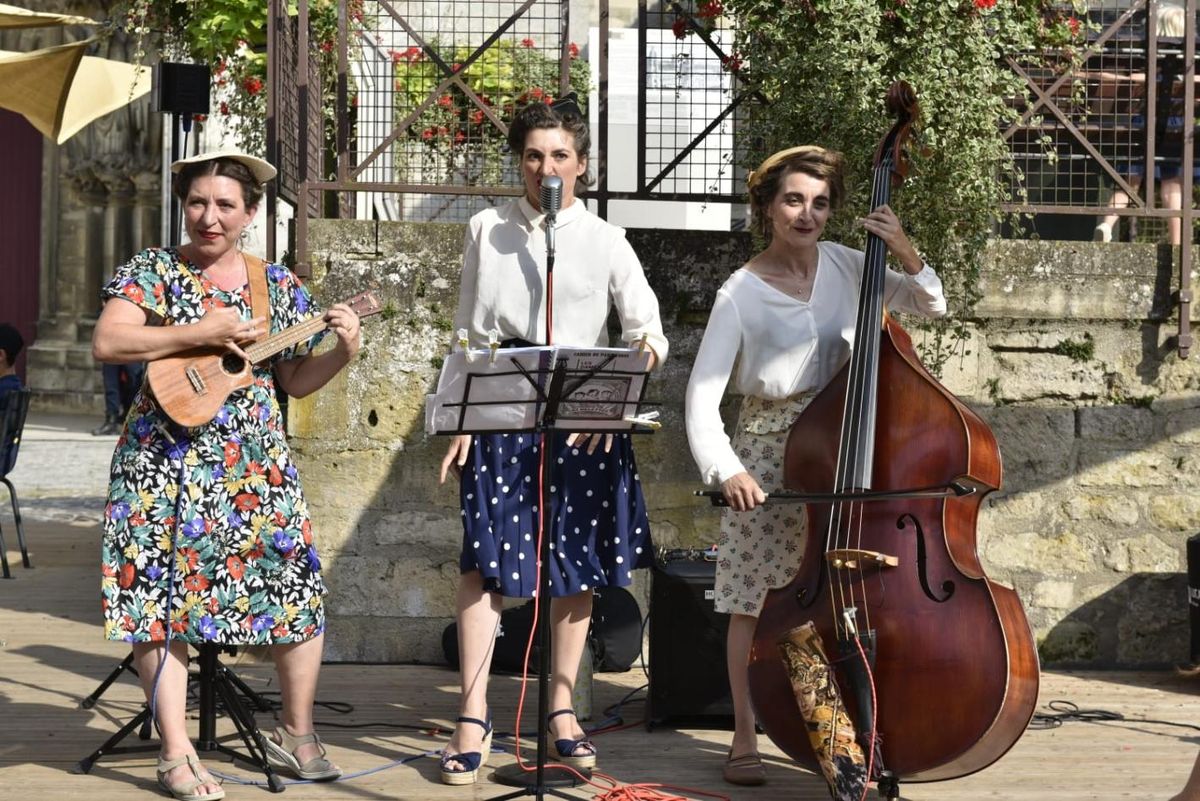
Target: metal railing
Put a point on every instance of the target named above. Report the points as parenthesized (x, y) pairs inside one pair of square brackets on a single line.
[(1112, 125), (424, 91)]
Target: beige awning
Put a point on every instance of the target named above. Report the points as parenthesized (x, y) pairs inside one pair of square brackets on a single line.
[(60, 90), (16, 17)]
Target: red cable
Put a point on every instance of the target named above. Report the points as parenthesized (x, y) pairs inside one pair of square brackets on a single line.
[(874, 719), (613, 789)]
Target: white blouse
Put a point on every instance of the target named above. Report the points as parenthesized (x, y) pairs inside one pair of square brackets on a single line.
[(784, 346), (595, 269)]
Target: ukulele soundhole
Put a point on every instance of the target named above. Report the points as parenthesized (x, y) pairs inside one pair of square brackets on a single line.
[(232, 364)]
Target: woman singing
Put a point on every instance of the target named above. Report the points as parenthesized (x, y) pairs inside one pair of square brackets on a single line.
[(781, 326), (599, 530)]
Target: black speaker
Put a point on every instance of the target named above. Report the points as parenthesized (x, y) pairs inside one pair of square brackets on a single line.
[(181, 88), (689, 682)]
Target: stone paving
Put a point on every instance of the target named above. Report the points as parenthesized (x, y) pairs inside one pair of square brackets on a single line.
[(62, 470)]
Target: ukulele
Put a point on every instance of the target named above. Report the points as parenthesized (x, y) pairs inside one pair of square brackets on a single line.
[(192, 385)]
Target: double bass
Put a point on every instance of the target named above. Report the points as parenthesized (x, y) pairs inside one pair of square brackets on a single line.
[(934, 663)]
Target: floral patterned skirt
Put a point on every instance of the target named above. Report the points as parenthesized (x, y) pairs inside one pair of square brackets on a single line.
[(239, 566), (760, 549)]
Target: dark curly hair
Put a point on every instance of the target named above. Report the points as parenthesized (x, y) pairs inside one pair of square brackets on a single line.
[(822, 164), (252, 191), (11, 342), (540, 115)]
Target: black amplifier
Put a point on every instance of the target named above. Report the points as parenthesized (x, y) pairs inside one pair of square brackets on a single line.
[(689, 682)]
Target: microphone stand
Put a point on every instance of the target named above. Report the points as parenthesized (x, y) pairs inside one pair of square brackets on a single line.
[(535, 782)]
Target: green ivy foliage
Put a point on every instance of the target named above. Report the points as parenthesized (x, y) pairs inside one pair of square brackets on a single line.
[(825, 67)]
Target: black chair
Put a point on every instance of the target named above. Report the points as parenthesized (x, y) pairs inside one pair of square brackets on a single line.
[(14, 406)]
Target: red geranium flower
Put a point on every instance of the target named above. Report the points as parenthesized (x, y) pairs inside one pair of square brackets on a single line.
[(477, 117), (573, 50), (526, 43), (985, 3), (445, 101), (713, 8), (254, 85), (679, 27)]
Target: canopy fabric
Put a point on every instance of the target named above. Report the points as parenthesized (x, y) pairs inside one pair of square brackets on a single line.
[(17, 17), (60, 90)]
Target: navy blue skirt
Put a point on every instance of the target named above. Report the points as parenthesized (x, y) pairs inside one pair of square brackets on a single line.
[(600, 532)]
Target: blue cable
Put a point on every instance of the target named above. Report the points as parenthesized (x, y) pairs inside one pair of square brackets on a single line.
[(344, 777), (175, 449)]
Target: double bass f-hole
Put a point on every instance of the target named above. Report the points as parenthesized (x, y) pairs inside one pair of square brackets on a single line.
[(922, 562)]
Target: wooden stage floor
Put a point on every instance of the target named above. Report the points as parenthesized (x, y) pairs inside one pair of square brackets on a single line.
[(52, 656)]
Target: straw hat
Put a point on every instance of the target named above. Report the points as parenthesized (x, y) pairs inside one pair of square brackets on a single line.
[(261, 170)]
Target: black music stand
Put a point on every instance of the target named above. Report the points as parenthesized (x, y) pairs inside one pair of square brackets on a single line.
[(541, 390), (215, 681)]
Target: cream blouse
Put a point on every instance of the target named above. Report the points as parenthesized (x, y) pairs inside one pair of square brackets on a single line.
[(595, 269), (783, 346)]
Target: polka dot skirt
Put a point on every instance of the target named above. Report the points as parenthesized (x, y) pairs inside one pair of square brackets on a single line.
[(599, 529)]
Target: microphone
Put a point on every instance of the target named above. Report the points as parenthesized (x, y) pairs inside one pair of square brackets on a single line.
[(551, 201)]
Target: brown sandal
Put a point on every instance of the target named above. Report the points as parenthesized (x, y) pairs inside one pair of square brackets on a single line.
[(746, 770)]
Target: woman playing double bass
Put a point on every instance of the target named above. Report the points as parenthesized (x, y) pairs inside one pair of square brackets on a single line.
[(782, 326)]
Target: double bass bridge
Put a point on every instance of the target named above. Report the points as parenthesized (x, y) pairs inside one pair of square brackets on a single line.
[(859, 559)]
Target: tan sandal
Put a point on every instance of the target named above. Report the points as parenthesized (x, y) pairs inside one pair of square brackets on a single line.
[(186, 789), (281, 753), (746, 770)]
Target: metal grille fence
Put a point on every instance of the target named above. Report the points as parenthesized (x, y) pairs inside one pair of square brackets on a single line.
[(689, 99), (1108, 119)]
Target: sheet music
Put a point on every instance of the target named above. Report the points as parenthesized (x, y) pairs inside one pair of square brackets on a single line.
[(474, 394)]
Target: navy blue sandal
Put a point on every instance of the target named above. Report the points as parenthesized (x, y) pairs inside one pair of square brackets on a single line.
[(471, 761), (564, 750)]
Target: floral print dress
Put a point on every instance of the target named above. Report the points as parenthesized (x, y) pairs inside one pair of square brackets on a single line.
[(230, 559)]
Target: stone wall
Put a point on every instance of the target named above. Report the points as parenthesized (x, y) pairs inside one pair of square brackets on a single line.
[(1070, 361)]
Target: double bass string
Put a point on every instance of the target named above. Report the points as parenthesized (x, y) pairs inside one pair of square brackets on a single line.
[(858, 420)]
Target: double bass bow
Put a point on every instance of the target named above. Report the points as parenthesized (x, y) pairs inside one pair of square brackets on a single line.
[(891, 655)]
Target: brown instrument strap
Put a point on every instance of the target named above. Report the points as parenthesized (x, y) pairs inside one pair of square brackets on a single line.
[(260, 299)]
